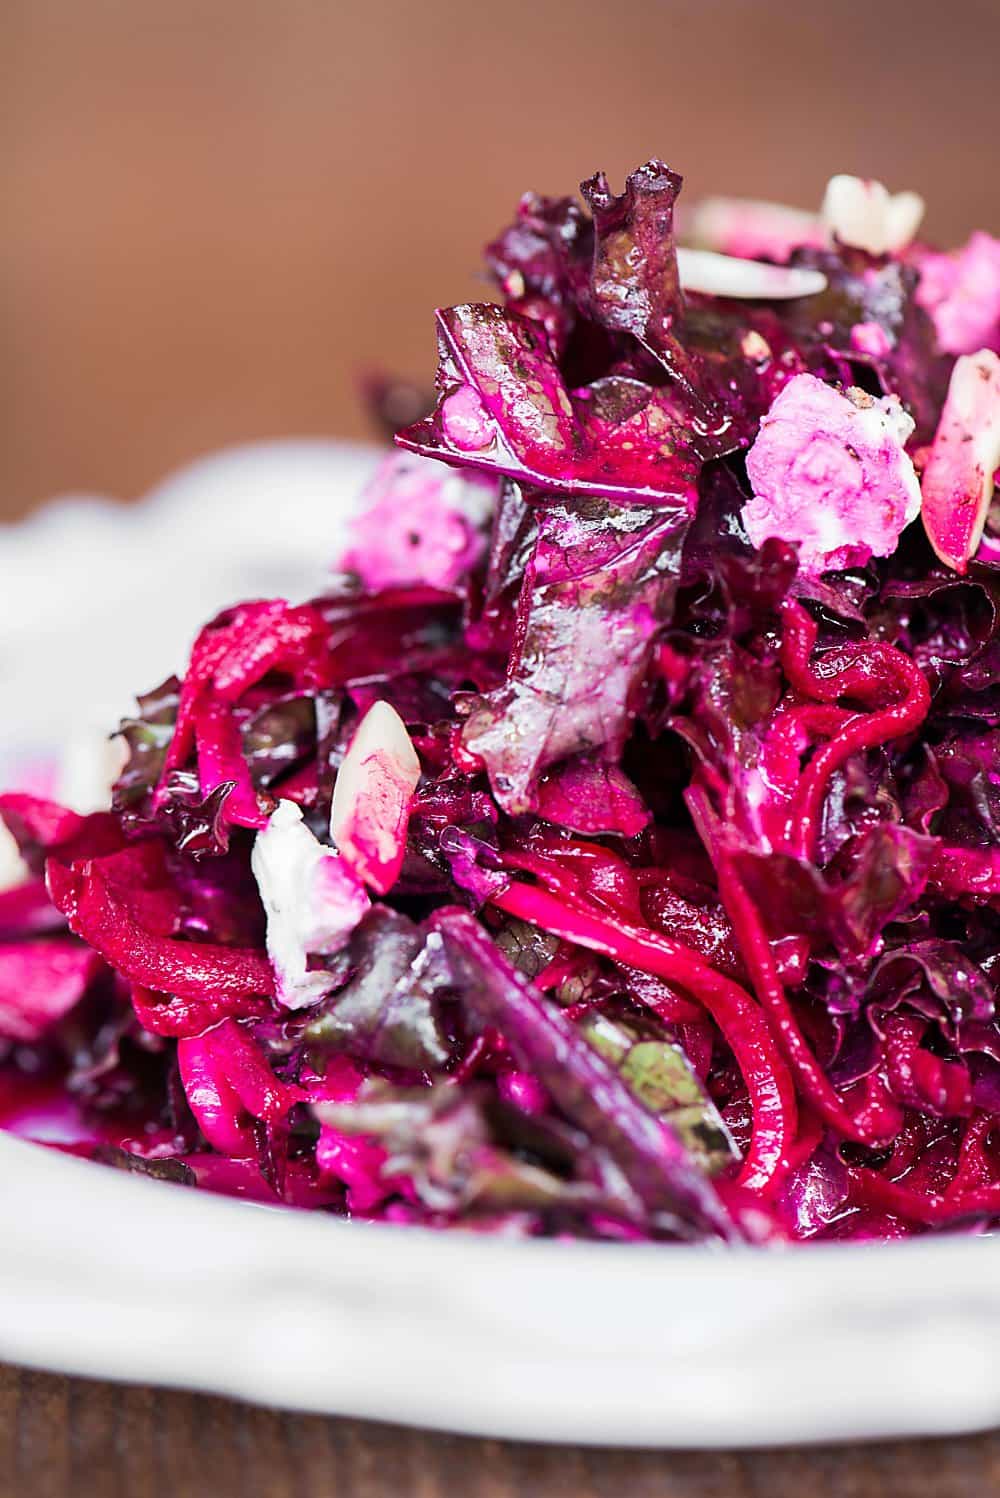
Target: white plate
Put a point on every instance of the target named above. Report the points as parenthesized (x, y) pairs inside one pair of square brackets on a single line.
[(113, 1276), (117, 1277)]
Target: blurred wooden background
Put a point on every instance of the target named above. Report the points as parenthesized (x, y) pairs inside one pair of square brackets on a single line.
[(217, 211)]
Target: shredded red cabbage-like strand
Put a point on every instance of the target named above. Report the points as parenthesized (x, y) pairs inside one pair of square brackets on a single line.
[(213, 1100), (170, 1015), (838, 673), (231, 655), (966, 871), (977, 1166), (868, 671), (221, 762), (759, 960), (772, 1093), (919, 1079), (865, 731), (166, 964), (870, 1189)]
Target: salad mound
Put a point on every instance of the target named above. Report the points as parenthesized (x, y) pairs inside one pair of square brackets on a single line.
[(613, 850)]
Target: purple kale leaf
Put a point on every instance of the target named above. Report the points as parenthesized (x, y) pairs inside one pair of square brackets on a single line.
[(600, 584)]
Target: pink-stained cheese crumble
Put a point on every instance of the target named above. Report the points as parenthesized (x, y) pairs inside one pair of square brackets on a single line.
[(313, 900), (423, 523), (959, 478), (830, 473), (961, 291)]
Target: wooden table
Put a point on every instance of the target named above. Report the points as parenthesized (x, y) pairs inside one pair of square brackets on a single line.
[(70, 1438)]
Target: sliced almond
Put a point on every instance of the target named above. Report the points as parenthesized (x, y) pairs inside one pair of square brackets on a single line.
[(712, 274), (371, 797), (959, 477), (752, 227), (865, 215)]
